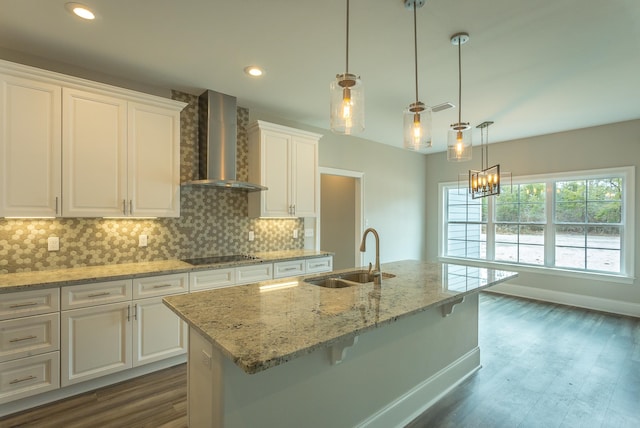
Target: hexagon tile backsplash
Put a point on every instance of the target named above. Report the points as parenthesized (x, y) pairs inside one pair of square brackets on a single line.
[(212, 221)]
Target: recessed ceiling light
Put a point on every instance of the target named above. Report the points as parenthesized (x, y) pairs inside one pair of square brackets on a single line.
[(80, 10), (254, 71)]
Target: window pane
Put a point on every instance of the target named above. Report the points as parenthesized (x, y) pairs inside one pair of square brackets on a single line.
[(531, 234), (568, 191), (506, 252), (532, 213), (507, 212), (506, 233), (570, 257), (604, 237), (605, 189), (457, 212), (532, 193), (604, 212), (531, 254), (570, 236), (603, 260), (571, 212)]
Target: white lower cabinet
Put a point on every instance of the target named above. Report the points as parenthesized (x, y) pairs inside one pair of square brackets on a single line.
[(107, 338), (96, 341), (29, 376), (158, 333)]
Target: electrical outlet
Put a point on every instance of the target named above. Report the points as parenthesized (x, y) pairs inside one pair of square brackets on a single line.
[(295, 233), (53, 243), (142, 240), (252, 235), (308, 233)]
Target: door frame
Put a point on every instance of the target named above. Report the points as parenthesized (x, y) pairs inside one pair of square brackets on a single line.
[(359, 207)]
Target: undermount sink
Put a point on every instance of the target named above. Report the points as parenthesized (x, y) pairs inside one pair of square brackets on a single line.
[(346, 279)]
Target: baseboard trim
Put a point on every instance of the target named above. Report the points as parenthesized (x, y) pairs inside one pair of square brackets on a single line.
[(417, 400), (79, 388), (570, 299)]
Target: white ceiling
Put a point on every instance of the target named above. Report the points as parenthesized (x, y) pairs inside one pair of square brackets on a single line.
[(532, 66)]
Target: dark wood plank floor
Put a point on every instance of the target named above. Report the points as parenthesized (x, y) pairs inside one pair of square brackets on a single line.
[(544, 365)]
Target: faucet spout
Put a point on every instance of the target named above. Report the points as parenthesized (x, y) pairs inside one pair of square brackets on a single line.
[(377, 274)]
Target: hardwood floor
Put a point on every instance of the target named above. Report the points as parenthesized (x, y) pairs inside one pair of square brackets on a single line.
[(544, 365)]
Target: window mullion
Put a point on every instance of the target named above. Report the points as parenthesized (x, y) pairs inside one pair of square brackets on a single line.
[(550, 229)]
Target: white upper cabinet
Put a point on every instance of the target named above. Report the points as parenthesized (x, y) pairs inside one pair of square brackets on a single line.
[(30, 141), (95, 155), (75, 148), (286, 161)]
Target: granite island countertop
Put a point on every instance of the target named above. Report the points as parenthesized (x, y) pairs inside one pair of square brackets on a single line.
[(262, 325), (21, 281)]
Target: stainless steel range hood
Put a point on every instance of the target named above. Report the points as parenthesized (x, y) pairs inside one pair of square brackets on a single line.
[(217, 141)]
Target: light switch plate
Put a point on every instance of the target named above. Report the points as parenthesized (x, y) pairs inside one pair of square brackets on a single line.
[(142, 240), (308, 233), (252, 235), (295, 233), (53, 243)]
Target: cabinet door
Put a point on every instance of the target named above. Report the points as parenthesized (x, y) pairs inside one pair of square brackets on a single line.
[(305, 178), (158, 333), (95, 342), (30, 148), (276, 175), (154, 161), (94, 147)]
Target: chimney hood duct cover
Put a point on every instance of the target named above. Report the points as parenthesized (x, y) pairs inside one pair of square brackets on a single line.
[(217, 141)]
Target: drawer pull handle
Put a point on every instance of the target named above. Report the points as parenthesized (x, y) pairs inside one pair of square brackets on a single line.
[(24, 379), (106, 293), (316, 265), (162, 285), (21, 339), (23, 305), (289, 268)]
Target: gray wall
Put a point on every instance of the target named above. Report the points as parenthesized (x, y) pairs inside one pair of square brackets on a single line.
[(605, 146)]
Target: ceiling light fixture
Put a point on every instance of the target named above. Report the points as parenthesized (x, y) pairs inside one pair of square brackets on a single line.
[(347, 99), (417, 117), (459, 139), (80, 10), (485, 182), (254, 71)]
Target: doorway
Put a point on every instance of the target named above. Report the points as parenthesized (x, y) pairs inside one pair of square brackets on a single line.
[(341, 212)]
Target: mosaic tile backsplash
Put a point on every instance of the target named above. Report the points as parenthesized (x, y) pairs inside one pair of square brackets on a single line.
[(212, 221)]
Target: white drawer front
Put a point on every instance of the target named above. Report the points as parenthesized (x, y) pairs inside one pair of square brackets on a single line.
[(289, 268), (320, 264), (24, 337), (214, 278), (31, 302), (29, 376), (160, 285), (99, 293), (254, 273)]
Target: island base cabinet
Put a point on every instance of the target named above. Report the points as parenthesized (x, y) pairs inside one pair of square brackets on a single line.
[(389, 376), (158, 333), (96, 341)]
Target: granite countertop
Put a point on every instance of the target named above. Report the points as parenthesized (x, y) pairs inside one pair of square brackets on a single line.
[(81, 275), (262, 325)]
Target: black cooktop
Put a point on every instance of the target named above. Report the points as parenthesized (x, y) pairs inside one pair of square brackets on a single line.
[(220, 259)]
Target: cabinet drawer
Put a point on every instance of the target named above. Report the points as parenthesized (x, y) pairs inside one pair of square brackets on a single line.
[(214, 278), (29, 376), (99, 293), (320, 264), (31, 302), (288, 268), (254, 273), (24, 337), (160, 285)]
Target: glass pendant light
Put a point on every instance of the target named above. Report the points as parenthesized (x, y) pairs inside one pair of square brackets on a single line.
[(347, 99), (417, 118), (459, 138)]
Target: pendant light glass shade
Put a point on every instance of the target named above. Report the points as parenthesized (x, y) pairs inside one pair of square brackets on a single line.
[(347, 99), (417, 117), (459, 138), (417, 127), (347, 104), (459, 143)]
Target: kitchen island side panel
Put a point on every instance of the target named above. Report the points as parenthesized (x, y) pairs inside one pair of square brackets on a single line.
[(389, 376)]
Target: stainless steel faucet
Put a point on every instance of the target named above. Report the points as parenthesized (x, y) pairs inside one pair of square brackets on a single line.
[(377, 274)]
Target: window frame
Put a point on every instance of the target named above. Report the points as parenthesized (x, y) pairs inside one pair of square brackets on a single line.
[(627, 236)]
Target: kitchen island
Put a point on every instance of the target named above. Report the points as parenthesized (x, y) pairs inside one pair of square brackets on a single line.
[(290, 353)]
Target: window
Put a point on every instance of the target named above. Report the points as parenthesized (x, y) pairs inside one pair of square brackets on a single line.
[(581, 221)]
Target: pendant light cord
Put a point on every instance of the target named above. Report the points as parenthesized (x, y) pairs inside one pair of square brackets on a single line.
[(347, 61), (415, 47), (459, 81)]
